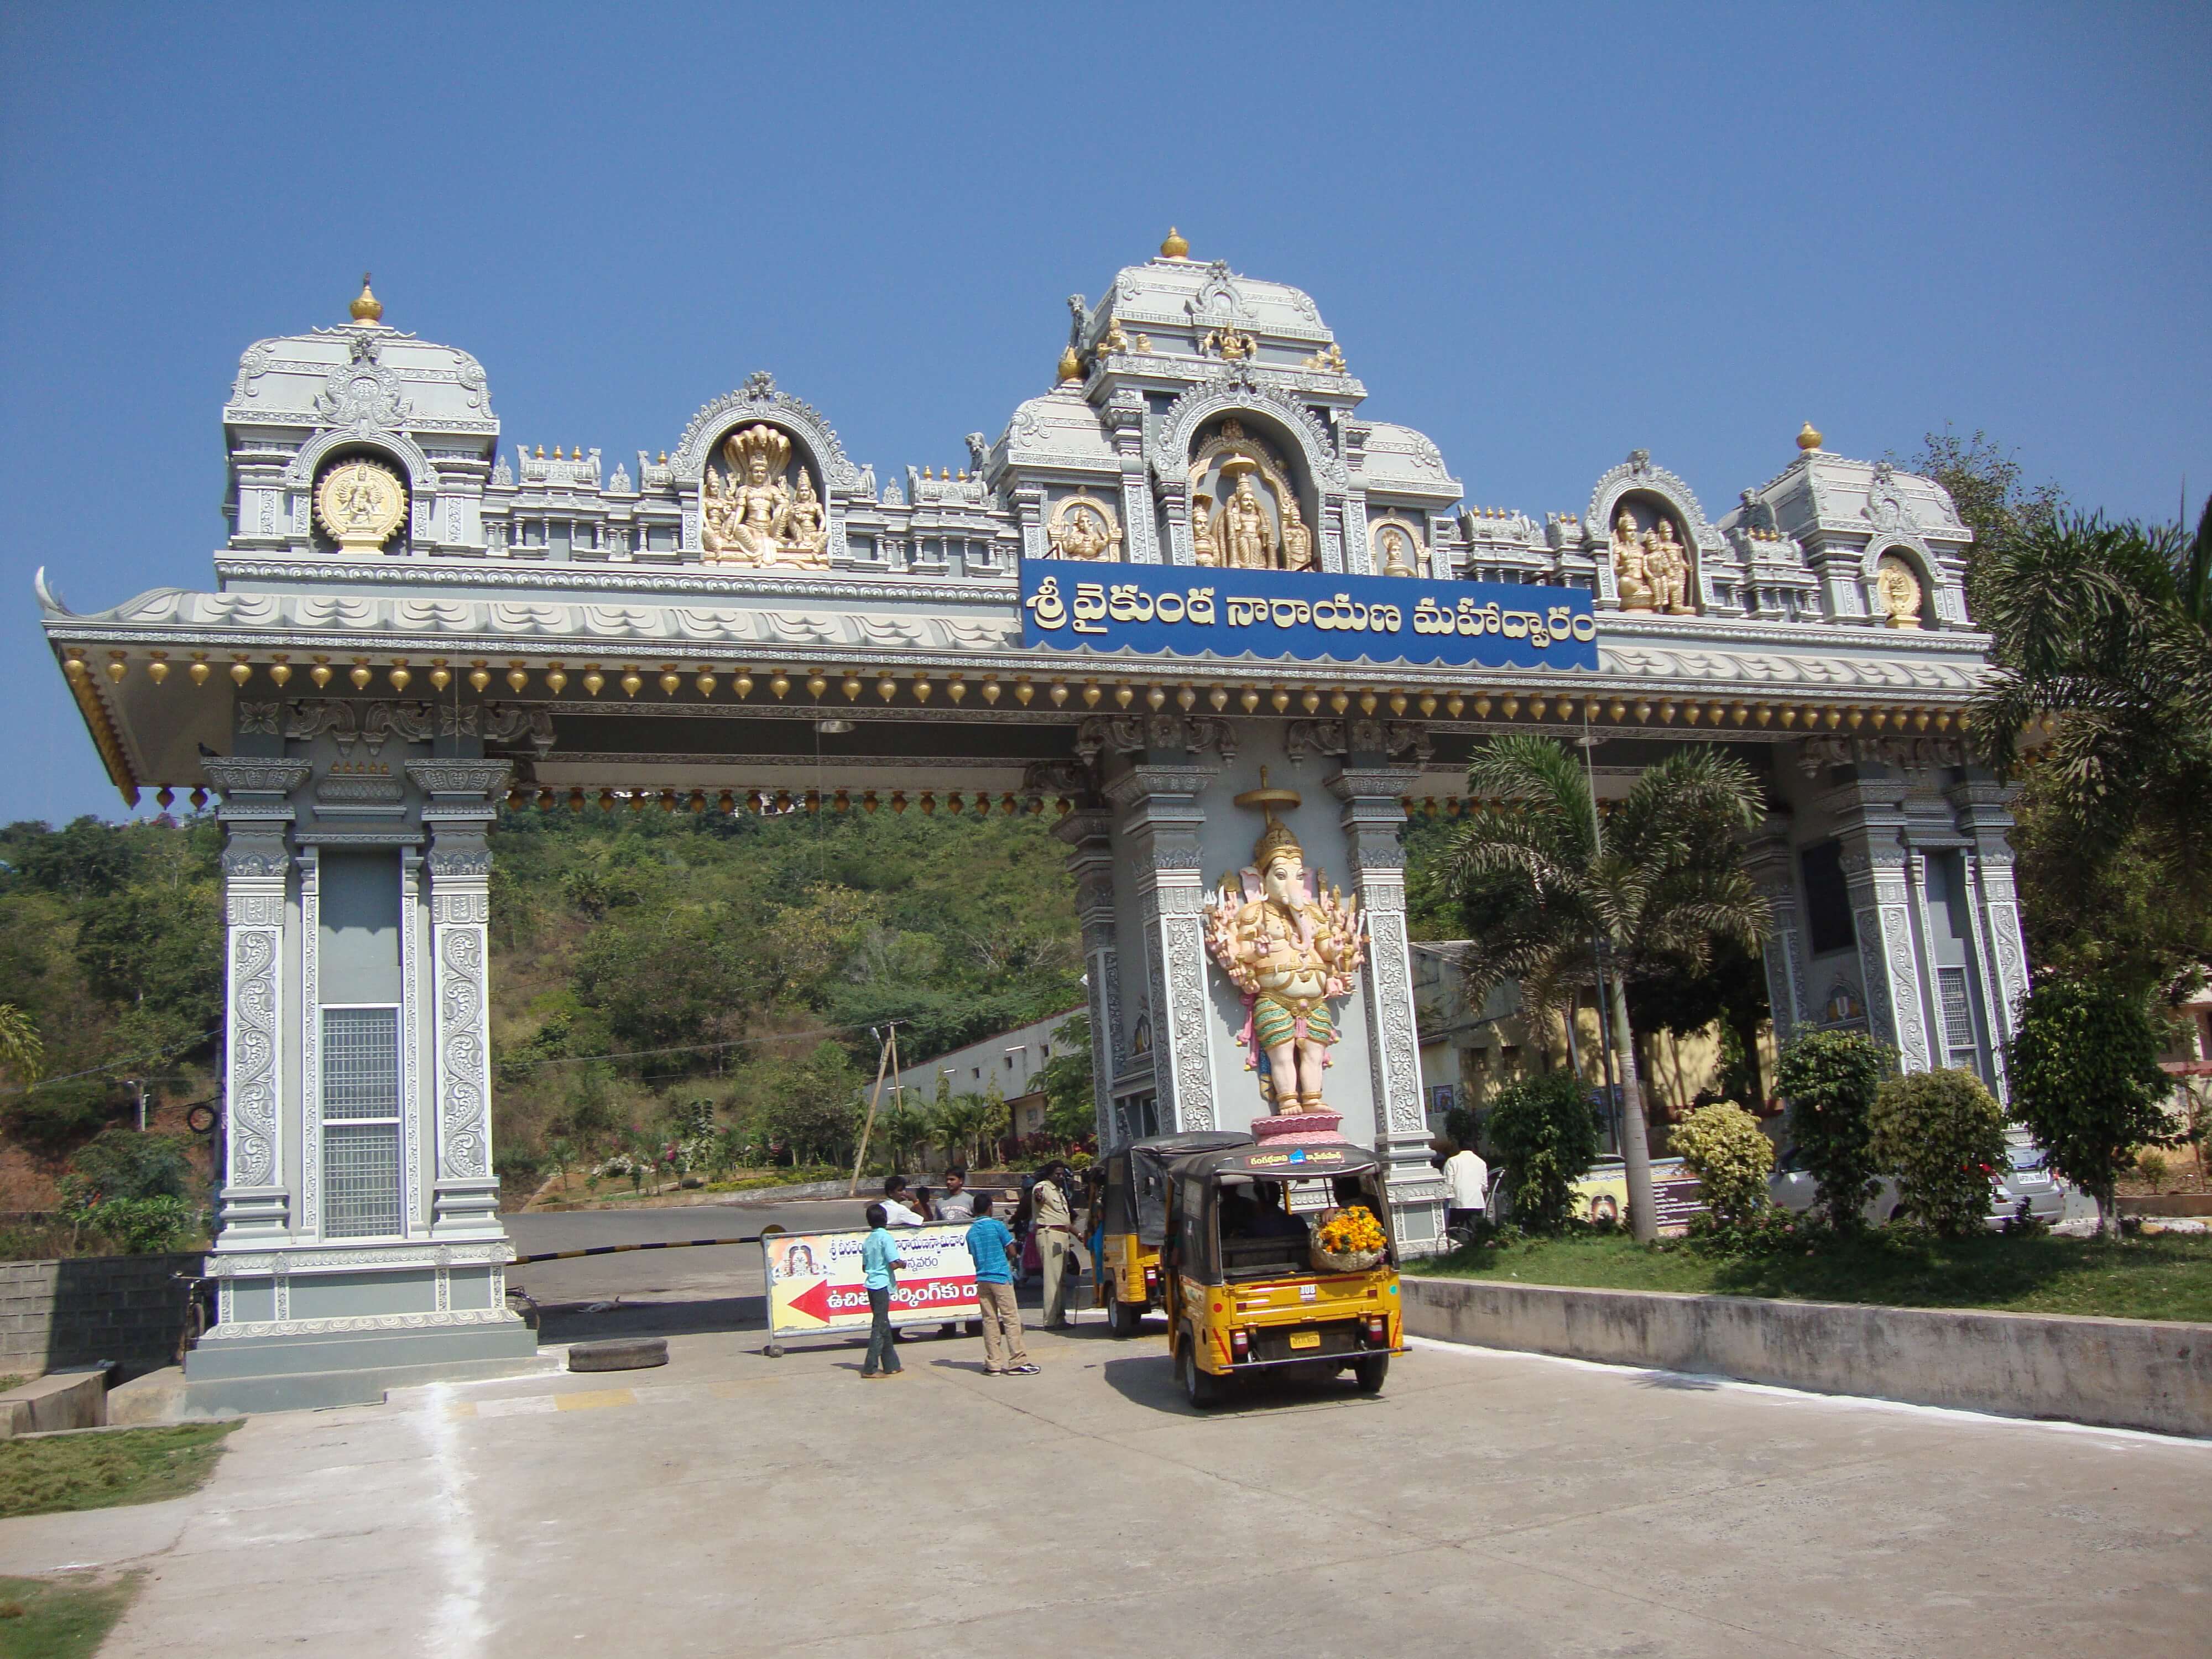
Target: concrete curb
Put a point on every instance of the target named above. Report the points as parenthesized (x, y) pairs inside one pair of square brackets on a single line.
[(2113, 1373)]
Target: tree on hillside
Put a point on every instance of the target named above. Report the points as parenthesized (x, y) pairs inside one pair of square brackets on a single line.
[(1070, 1105), (1550, 888)]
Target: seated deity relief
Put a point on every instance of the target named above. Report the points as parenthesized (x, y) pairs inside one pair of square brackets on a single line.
[(1651, 568), (1083, 527), (1257, 525), (755, 513)]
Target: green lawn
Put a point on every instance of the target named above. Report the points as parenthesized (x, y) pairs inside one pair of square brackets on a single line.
[(2162, 1278), (98, 1470), (63, 1618)]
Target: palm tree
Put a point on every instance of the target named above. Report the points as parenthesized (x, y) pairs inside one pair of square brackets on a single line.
[(20, 1050), (1553, 891), (2108, 627)]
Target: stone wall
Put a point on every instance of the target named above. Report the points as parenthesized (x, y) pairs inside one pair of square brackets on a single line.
[(123, 1308), (2115, 1373)]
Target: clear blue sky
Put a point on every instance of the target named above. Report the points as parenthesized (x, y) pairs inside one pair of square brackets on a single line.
[(1545, 234)]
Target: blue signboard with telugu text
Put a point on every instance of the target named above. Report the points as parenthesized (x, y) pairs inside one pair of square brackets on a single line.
[(1189, 611)]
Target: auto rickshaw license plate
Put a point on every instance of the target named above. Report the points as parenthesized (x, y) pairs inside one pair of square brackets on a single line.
[(1305, 1338)]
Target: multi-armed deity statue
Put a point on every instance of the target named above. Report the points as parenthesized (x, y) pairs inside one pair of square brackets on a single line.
[(1242, 533), (753, 514), (1292, 947)]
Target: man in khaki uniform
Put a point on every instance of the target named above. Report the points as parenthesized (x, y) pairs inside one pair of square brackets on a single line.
[(1053, 1227)]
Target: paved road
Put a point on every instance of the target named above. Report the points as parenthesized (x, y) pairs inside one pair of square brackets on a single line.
[(1494, 1504)]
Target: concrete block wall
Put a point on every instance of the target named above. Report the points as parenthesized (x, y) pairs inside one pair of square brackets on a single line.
[(123, 1308)]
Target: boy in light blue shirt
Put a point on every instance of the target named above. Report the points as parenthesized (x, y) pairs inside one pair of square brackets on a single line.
[(879, 1262), (989, 1242)]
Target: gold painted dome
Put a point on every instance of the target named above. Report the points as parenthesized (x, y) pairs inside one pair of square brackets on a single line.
[(367, 308), (1808, 440), (1175, 247)]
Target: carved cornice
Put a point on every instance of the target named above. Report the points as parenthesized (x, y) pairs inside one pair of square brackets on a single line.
[(455, 781), (239, 776)]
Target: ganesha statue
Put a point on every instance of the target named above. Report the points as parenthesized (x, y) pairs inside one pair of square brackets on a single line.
[(1293, 944)]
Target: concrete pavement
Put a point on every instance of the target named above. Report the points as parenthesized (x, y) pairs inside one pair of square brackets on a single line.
[(1502, 1504)]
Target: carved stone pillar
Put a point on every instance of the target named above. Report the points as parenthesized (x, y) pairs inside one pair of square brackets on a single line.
[(1871, 821), (1157, 847), (1772, 863), (1089, 832), (255, 1204), (1373, 814), (463, 799), (1175, 508), (1983, 808)]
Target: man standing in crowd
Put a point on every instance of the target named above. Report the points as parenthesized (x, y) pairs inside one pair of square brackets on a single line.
[(1055, 1230), (896, 1212), (1466, 1178), (958, 1204), (988, 1243), (879, 1264)]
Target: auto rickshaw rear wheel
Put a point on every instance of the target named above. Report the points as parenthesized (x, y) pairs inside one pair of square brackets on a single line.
[(1201, 1388), (1372, 1372), (1123, 1318)]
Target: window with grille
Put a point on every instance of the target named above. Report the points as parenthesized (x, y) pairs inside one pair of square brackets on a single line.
[(1958, 1017), (360, 1122)]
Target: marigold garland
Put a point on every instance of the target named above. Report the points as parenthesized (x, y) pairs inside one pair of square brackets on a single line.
[(1351, 1231)]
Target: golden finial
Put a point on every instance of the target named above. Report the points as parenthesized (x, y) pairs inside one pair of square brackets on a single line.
[(1175, 247), (1808, 440), (1071, 365), (367, 308)]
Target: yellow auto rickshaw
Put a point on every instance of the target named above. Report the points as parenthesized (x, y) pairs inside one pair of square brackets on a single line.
[(1247, 1288), (1129, 1204)]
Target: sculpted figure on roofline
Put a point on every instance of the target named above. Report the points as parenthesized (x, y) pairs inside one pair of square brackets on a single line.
[(752, 514)]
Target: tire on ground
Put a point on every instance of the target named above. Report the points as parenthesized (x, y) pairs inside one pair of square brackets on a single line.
[(630, 1353)]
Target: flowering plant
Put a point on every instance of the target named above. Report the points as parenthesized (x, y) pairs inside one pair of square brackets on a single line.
[(1350, 1231)]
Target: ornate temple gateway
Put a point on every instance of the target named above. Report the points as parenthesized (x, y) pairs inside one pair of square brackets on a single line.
[(1194, 602)]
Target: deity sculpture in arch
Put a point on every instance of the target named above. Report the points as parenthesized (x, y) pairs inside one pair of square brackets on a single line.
[(1398, 556), (1082, 528), (1899, 589), (1631, 570), (1297, 540), (750, 515), (1293, 944), (1669, 562), (1240, 535)]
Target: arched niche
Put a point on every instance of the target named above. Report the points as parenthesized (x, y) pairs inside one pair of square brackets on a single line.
[(1252, 506), (758, 401), (1901, 584), (1652, 497), (763, 499), (334, 450), (1300, 450)]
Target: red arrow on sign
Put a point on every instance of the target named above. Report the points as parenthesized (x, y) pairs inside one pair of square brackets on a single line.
[(813, 1301)]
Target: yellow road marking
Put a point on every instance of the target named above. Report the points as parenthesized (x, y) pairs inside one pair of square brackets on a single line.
[(593, 1399)]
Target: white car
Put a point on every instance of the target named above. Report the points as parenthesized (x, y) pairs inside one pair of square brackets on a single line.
[(2027, 1175)]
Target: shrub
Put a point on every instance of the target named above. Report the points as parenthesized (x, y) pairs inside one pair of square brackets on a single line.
[(144, 1226), (1942, 1134), (1723, 1145), (1829, 1079), (52, 1114), (1543, 1130), (2151, 1163), (2085, 1080), (123, 1163)]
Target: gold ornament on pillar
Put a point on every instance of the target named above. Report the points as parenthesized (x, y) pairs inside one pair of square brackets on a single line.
[(1293, 944)]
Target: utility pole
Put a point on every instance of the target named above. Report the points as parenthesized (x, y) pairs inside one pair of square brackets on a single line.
[(138, 1084), (883, 1063)]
